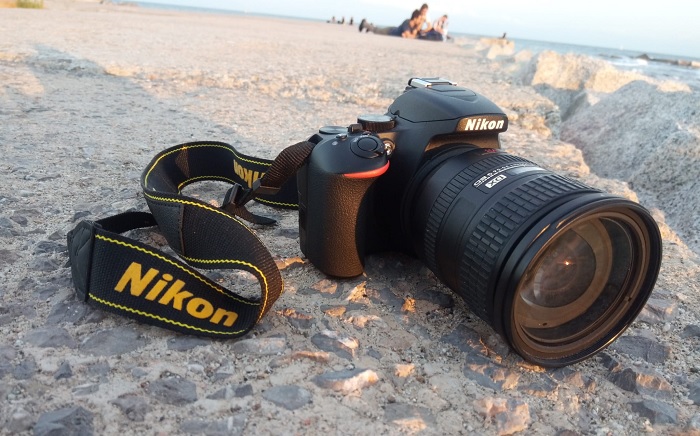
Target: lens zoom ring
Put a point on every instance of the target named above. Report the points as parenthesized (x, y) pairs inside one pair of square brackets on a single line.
[(496, 227), (450, 192)]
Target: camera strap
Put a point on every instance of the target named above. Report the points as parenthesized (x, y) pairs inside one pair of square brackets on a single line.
[(125, 276)]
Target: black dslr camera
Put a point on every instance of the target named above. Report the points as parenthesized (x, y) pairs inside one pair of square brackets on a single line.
[(558, 268)]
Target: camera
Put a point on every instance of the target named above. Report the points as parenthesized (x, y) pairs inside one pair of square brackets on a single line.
[(558, 268)]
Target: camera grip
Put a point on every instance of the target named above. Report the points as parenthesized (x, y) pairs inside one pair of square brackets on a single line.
[(333, 220)]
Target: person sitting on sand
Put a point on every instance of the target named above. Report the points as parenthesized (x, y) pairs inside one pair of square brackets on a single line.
[(408, 29), (425, 25), (439, 30)]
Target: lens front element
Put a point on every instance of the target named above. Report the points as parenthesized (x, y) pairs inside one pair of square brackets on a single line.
[(578, 286)]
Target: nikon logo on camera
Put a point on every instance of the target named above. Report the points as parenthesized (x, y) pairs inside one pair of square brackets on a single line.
[(175, 295), (497, 123)]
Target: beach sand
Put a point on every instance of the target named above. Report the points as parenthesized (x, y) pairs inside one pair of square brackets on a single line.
[(90, 93)]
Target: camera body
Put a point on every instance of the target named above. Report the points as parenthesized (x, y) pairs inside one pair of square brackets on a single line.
[(353, 187)]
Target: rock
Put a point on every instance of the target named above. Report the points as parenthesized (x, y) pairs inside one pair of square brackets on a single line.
[(63, 371), (489, 374), (656, 153), (231, 426), (113, 342), (133, 406), (85, 389), (297, 319), (509, 415), (657, 412), (333, 342), (348, 381), (291, 397), (642, 347), (408, 417), (185, 343), (260, 346), (7, 355), (465, 339), (51, 337), (573, 378), (658, 311), (25, 370), (19, 421), (64, 422), (231, 391), (642, 382), (69, 310), (694, 394), (173, 389), (691, 331)]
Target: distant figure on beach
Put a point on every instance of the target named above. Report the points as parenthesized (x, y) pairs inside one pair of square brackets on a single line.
[(408, 29), (425, 25), (439, 30)]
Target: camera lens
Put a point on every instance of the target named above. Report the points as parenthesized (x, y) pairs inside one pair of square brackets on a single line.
[(560, 269)]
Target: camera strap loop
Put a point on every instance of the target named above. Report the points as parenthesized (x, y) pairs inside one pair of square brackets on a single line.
[(130, 278)]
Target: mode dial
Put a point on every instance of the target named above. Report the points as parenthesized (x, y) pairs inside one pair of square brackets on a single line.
[(376, 123)]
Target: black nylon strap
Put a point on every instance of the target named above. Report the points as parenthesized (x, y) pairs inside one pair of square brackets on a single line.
[(130, 278)]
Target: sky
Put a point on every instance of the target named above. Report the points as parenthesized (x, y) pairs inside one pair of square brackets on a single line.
[(670, 27)]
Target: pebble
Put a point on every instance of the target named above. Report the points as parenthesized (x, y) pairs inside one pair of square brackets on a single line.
[(347, 381), (132, 406), (333, 342), (509, 415), (691, 331), (658, 311), (63, 371), (694, 393), (231, 426), (465, 339), (65, 422), (489, 374), (173, 389), (656, 411), (51, 337), (410, 418), (642, 382), (113, 342), (640, 346), (291, 397), (260, 346), (298, 319)]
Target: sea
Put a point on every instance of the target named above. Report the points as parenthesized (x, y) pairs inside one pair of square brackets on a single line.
[(655, 65)]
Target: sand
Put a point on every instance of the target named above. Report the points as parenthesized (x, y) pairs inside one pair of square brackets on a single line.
[(89, 93)]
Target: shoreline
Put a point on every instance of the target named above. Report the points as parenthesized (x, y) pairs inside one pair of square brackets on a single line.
[(92, 92)]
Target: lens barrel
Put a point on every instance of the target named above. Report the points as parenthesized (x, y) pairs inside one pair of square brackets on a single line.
[(559, 268)]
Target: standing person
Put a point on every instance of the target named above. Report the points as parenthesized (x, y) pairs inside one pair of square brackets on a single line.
[(408, 29), (439, 30)]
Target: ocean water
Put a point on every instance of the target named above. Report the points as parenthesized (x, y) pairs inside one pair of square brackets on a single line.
[(658, 66)]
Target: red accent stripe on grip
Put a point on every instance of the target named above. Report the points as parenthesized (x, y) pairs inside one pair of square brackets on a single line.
[(368, 174)]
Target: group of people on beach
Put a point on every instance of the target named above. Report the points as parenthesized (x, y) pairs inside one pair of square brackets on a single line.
[(418, 26)]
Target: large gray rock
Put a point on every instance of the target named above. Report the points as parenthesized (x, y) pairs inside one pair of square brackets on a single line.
[(649, 136)]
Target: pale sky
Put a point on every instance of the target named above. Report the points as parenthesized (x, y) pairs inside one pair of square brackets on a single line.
[(665, 27)]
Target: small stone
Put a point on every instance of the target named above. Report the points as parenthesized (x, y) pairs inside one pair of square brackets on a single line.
[(86, 389), (510, 415), (347, 381), (260, 346), (489, 374), (63, 371), (655, 411), (49, 247), (331, 341), (133, 406), (465, 339), (67, 421), (20, 420), (173, 389), (185, 343), (291, 397), (298, 320), (51, 337), (113, 342), (7, 355), (436, 297), (540, 388), (658, 311), (8, 257), (642, 347), (409, 418), (573, 378), (231, 426), (69, 310), (230, 391), (386, 297), (694, 394), (25, 370), (691, 331), (642, 382)]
